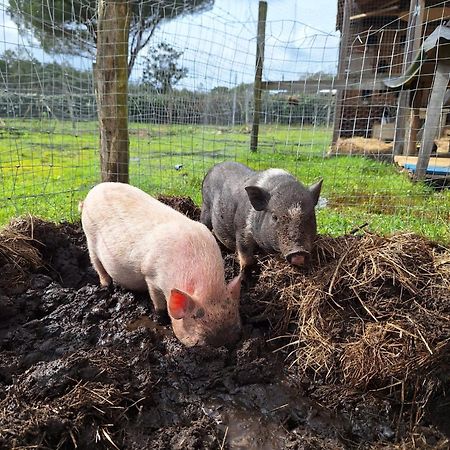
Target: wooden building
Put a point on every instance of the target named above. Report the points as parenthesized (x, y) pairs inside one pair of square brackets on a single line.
[(393, 54)]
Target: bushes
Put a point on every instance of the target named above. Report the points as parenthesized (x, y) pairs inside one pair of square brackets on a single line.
[(217, 107)]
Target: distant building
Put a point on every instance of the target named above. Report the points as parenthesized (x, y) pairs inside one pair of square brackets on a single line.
[(379, 39)]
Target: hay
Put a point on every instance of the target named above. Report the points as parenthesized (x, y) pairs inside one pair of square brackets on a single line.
[(18, 254), (373, 314), (361, 146), (443, 145)]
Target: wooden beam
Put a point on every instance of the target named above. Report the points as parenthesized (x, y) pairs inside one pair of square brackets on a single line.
[(430, 14), (311, 85), (412, 45), (431, 126), (376, 13), (260, 43), (343, 48)]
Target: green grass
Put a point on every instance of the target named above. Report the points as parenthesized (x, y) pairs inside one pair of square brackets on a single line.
[(46, 167)]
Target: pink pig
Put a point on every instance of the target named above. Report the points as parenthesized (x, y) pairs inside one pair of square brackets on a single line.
[(140, 243)]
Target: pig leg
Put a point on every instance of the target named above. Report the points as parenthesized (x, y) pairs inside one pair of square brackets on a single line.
[(245, 248), (105, 279), (159, 302), (205, 216)]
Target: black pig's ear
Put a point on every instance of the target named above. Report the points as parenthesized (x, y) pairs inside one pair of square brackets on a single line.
[(259, 197), (315, 191)]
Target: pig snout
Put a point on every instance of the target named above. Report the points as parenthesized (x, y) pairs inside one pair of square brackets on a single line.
[(227, 337), (298, 258)]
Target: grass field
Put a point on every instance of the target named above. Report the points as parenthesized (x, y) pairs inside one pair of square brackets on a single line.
[(48, 166)]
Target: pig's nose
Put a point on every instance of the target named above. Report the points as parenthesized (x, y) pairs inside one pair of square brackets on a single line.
[(227, 337), (297, 258)]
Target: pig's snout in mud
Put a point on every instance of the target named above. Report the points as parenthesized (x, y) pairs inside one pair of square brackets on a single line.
[(228, 338), (298, 258)]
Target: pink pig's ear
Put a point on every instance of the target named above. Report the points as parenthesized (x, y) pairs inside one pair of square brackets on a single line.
[(234, 287), (180, 304)]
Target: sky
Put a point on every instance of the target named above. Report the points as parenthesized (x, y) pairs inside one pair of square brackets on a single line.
[(219, 46)]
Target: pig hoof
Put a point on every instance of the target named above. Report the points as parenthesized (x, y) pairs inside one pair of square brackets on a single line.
[(162, 317), (107, 287), (247, 272), (105, 282)]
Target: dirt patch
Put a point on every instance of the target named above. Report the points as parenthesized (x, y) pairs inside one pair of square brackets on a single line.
[(182, 204), (335, 357)]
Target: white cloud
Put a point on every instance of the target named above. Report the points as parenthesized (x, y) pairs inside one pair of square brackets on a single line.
[(219, 45)]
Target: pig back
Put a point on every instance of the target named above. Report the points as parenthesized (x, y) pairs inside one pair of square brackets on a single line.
[(226, 200), (122, 225)]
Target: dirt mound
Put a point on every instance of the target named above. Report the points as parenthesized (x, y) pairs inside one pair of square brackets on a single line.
[(352, 353)]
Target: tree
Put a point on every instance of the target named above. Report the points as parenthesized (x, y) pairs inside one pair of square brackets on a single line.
[(161, 70), (20, 71), (70, 26), (114, 31)]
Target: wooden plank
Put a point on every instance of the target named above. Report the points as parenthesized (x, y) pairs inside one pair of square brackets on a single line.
[(435, 161), (311, 85), (377, 13), (431, 14)]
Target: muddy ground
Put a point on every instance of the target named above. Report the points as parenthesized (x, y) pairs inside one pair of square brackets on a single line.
[(87, 367)]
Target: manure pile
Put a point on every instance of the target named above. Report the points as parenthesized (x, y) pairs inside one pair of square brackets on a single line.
[(353, 353)]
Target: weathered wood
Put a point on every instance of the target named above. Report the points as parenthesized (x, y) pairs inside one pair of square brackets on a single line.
[(412, 45), (440, 13), (413, 128), (260, 44), (111, 77), (435, 161), (431, 126), (390, 11), (343, 48), (370, 82)]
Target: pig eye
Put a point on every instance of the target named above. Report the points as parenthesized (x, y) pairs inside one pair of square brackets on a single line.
[(274, 217), (199, 313)]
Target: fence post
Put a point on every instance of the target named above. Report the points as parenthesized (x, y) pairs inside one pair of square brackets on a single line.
[(343, 49), (111, 77), (412, 45), (260, 41), (233, 114)]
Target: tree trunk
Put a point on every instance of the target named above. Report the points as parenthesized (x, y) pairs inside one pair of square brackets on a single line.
[(111, 76)]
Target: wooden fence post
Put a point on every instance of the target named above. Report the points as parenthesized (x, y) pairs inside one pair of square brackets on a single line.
[(111, 78), (260, 42), (342, 63)]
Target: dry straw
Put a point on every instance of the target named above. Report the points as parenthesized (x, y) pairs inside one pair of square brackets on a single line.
[(18, 255), (361, 146), (372, 313)]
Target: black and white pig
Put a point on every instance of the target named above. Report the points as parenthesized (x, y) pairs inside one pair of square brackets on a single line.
[(268, 209)]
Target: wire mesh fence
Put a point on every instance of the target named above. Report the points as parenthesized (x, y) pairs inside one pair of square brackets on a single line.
[(326, 112)]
